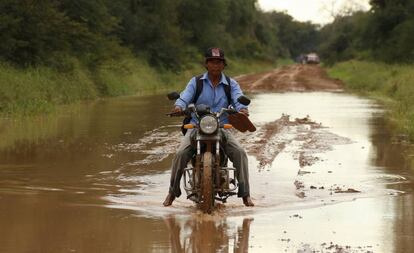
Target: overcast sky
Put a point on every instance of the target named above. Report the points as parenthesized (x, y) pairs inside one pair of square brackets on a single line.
[(316, 11)]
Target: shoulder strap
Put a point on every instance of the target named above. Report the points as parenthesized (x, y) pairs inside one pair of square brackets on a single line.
[(199, 88), (227, 89)]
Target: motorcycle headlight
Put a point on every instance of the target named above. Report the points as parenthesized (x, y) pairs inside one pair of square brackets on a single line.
[(208, 124)]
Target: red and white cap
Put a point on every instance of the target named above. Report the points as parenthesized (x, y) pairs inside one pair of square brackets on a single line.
[(214, 53)]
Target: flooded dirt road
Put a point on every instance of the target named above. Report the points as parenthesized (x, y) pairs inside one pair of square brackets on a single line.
[(325, 177)]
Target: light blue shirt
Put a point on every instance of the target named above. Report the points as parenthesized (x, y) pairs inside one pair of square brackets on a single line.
[(215, 97)]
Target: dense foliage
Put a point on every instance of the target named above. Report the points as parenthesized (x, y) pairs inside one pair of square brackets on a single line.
[(167, 34), (385, 33)]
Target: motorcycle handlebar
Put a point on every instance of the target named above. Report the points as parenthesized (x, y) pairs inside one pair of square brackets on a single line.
[(187, 112), (175, 114)]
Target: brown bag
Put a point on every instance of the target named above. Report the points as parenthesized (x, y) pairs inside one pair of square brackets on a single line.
[(241, 122)]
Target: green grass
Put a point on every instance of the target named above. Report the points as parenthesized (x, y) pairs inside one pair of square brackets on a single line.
[(36, 90), (39, 90), (393, 85), (129, 76)]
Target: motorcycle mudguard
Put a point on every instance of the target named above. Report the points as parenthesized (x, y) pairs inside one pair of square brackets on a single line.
[(241, 122)]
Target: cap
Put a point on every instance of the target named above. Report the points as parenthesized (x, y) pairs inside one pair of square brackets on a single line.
[(214, 53)]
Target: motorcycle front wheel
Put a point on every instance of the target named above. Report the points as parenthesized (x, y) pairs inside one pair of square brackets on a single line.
[(207, 191)]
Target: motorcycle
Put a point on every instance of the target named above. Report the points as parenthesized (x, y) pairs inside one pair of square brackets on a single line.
[(208, 179)]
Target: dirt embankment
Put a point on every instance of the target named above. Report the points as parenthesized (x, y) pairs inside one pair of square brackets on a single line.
[(290, 78)]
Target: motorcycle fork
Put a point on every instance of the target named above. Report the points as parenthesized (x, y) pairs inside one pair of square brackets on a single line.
[(217, 169), (197, 168)]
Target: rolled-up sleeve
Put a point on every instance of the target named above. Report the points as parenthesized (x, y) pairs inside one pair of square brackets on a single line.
[(236, 92), (187, 94)]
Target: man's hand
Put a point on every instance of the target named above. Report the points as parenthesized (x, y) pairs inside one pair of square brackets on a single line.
[(245, 112), (177, 111)]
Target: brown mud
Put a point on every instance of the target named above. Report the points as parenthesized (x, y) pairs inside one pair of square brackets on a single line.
[(290, 78), (272, 138)]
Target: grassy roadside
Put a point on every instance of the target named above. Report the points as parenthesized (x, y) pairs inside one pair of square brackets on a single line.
[(39, 90), (391, 85)]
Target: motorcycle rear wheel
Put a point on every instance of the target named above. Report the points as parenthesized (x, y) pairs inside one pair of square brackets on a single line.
[(207, 192)]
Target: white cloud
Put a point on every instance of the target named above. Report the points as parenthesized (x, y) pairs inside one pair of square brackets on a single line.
[(316, 11)]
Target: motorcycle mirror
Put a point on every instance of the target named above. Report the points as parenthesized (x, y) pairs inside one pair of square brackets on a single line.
[(243, 100), (173, 95)]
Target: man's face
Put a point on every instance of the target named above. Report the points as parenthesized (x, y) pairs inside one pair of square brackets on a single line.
[(215, 66)]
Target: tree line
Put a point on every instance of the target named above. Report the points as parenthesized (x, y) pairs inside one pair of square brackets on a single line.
[(171, 34), (385, 33), (167, 34)]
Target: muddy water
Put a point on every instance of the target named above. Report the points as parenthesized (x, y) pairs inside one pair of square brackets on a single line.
[(92, 177)]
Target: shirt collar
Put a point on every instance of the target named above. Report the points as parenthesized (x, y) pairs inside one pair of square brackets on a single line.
[(223, 78)]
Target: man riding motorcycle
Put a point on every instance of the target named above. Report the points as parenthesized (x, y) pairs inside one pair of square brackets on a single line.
[(216, 95)]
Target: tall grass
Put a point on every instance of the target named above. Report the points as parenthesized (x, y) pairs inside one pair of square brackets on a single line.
[(39, 89), (126, 77), (393, 85)]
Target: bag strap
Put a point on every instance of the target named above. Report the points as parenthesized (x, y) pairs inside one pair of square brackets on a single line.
[(199, 89), (227, 89)]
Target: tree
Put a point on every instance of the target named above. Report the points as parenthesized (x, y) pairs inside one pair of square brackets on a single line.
[(390, 25), (151, 29), (344, 38), (204, 23), (32, 30)]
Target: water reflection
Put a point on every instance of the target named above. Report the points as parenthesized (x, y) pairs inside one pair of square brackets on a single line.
[(390, 155), (208, 235), (93, 123)]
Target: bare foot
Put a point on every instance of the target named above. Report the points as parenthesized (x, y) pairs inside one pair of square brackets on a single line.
[(247, 201), (169, 200)]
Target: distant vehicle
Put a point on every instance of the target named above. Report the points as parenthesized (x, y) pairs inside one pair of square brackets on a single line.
[(311, 58)]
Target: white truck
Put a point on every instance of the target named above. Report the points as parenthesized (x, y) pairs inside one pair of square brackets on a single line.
[(311, 58)]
